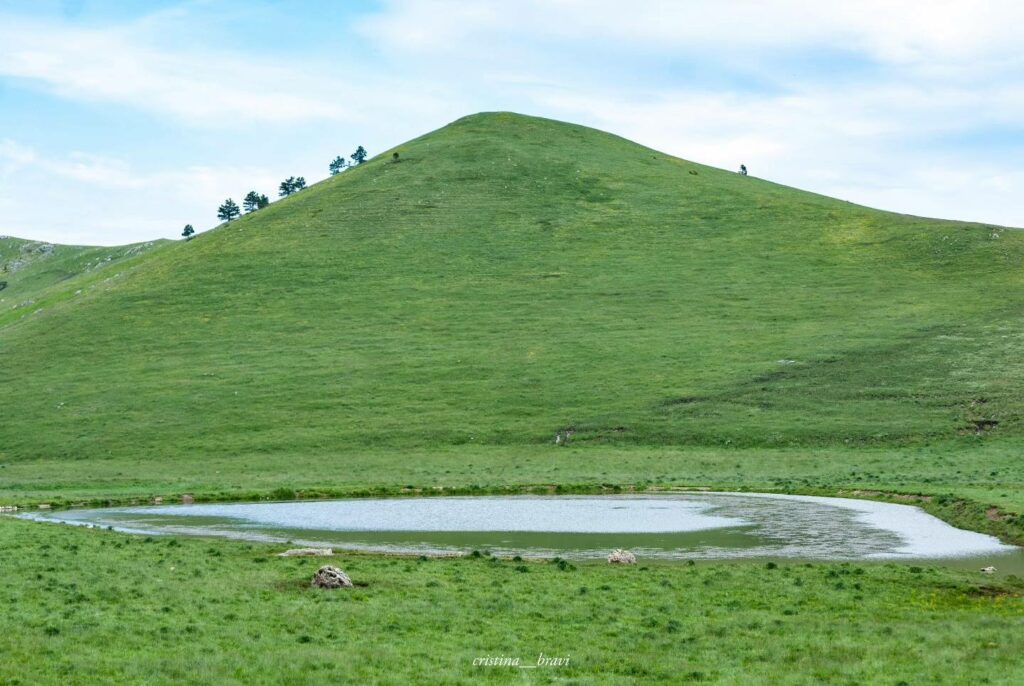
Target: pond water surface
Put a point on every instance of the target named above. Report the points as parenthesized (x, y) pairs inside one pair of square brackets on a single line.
[(706, 526)]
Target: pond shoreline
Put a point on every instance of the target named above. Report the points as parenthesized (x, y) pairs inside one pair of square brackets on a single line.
[(957, 511), (687, 525)]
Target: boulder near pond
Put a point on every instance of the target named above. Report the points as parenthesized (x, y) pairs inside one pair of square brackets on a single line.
[(331, 577)]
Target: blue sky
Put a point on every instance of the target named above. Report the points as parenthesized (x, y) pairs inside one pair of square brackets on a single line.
[(122, 122)]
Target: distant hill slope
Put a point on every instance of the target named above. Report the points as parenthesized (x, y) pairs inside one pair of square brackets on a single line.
[(32, 270), (512, 277)]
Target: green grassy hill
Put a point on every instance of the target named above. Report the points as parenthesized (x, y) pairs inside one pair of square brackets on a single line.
[(31, 272), (512, 277)]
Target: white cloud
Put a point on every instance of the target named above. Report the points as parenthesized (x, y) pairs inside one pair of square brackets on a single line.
[(13, 157), (892, 30), (122, 65)]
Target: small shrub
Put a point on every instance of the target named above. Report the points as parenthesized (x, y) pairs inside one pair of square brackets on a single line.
[(282, 494)]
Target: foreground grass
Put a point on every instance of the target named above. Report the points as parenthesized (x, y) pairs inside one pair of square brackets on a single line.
[(93, 607)]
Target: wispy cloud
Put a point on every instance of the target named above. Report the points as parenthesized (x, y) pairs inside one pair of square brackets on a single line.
[(86, 199), (124, 65), (901, 31)]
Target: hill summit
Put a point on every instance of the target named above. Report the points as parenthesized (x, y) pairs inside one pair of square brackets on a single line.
[(511, 279)]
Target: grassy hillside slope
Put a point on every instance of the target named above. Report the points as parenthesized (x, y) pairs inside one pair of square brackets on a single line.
[(512, 277), (33, 273)]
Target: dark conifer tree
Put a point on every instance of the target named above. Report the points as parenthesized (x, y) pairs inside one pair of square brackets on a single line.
[(228, 211), (251, 202)]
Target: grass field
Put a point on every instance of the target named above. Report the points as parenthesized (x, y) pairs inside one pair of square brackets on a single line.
[(428, 326), (98, 607)]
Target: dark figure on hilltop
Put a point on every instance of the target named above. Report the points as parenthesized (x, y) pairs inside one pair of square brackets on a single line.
[(743, 170)]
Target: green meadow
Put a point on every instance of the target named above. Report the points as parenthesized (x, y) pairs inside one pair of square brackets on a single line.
[(98, 607), (430, 325)]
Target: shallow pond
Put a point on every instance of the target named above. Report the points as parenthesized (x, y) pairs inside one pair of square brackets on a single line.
[(677, 526)]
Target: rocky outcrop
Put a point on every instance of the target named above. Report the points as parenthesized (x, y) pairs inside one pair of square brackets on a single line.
[(331, 577), (621, 557)]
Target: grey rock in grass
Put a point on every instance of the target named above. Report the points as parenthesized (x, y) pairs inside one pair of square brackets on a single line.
[(331, 577), (307, 552), (621, 557)]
